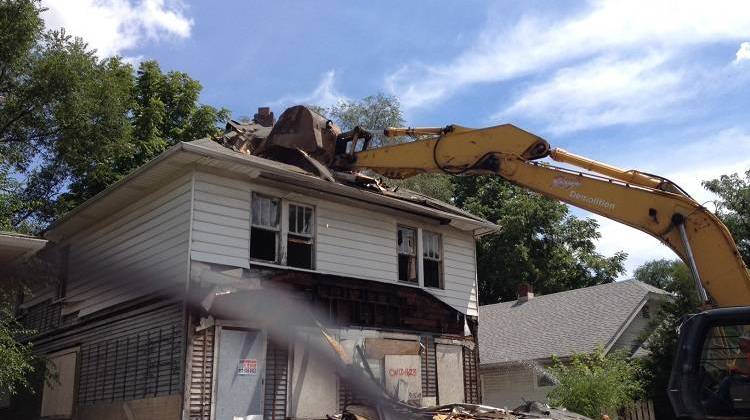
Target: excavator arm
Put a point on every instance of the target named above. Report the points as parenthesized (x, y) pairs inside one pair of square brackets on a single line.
[(652, 204), (646, 202)]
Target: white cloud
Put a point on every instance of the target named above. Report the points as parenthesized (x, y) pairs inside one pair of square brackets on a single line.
[(113, 27), (534, 46), (324, 94), (601, 92), (743, 53)]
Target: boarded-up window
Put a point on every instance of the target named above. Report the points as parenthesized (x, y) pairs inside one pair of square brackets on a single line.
[(58, 394), (300, 239), (450, 370), (432, 258), (264, 234), (407, 254)]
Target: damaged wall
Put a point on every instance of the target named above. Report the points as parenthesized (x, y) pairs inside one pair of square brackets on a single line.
[(349, 241)]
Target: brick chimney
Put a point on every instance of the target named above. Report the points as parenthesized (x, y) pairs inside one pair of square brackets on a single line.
[(265, 117), (524, 292)]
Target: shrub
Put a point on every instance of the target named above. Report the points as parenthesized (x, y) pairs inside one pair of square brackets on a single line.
[(595, 384)]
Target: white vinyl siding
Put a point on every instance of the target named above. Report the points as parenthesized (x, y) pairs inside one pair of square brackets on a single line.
[(221, 221), (136, 251), (349, 241), (509, 386)]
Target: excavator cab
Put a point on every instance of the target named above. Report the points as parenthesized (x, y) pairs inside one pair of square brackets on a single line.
[(711, 372)]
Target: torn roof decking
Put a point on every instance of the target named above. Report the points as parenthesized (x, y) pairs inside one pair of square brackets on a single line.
[(182, 157)]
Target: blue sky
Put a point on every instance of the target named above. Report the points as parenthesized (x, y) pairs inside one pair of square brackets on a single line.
[(657, 86)]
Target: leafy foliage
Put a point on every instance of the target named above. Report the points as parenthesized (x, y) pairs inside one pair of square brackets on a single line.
[(18, 360), (71, 123), (540, 242), (734, 208), (661, 336), (596, 384), (372, 112)]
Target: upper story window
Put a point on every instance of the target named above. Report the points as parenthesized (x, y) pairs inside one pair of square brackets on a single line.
[(264, 233), (432, 259), (300, 238), (407, 254)]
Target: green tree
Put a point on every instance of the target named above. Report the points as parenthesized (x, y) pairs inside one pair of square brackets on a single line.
[(72, 123), (372, 112), (596, 384), (540, 242), (659, 273), (18, 359), (660, 339), (733, 208)]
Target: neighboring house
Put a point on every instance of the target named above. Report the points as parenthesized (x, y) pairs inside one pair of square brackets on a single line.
[(169, 305), (518, 339)]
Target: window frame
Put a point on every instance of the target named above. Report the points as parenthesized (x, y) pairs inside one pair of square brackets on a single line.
[(415, 230), (277, 229), (440, 259), (311, 236)]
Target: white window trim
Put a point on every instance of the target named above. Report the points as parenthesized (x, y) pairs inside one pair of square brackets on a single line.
[(282, 232)]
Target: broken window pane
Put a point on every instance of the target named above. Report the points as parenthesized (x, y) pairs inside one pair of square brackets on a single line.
[(263, 244), (432, 259), (407, 254), (300, 240), (299, 251)]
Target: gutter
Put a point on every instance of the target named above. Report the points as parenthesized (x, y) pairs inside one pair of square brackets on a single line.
[(291, 175), (122, 181)]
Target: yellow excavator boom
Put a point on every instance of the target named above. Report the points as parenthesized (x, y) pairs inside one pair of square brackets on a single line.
[(646, 202)]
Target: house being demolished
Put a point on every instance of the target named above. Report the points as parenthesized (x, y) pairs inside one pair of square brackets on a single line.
[(198, 286)]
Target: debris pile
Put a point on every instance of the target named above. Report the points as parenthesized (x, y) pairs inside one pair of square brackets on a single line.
[(529, 410)]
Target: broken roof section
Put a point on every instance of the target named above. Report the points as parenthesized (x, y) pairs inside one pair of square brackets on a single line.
[(305, 140), (230, 153)]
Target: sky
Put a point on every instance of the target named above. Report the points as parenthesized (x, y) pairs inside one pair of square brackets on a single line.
[(659, 86)]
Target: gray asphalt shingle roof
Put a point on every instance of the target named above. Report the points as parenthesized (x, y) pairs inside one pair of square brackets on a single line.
[(562, 323)]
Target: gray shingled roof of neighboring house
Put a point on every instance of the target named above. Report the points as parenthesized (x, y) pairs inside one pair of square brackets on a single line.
[(562, 324)]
